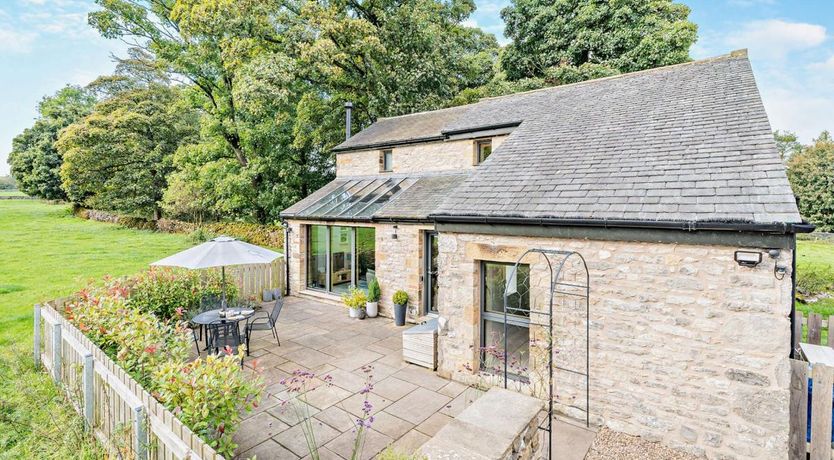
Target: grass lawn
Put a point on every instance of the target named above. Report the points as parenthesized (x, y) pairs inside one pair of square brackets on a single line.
[(11, 193), (48, 253)]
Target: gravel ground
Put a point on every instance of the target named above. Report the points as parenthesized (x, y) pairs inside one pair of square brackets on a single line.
[(610, 445)]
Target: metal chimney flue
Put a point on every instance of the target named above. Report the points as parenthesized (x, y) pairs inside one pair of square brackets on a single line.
[(348, 111)]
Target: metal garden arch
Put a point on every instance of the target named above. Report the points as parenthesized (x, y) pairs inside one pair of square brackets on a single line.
[(556, 262)]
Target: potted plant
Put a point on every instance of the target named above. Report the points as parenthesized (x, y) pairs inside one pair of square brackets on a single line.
[(355, 300), (400, 304), (372, 307)]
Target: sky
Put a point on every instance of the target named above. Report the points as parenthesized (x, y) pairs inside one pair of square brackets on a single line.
[(46, 44)]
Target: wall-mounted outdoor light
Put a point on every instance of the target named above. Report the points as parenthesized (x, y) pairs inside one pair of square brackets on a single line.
[(748, 258), (394, 236)]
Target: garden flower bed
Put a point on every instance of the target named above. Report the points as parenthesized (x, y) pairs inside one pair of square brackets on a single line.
[(138, 322)]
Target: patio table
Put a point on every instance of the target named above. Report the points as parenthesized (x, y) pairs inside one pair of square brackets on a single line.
[(235, 315)]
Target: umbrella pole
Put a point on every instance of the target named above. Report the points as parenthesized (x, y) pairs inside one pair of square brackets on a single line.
[(223, 282)]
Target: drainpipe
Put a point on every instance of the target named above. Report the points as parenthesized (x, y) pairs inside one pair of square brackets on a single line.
[(793, 301), (286, 226), (348, 110)]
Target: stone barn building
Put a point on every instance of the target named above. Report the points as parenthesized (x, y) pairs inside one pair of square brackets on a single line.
[(668, 184)]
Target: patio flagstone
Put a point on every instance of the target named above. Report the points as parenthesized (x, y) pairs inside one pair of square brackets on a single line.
[(257, 429), (337, 418), (409, 443), (418, 405), (433, 424), (374, 443), (423, 377), (325, 396), (393, 388), (269, 450), (294, 440), (390, 425), (409, 402)]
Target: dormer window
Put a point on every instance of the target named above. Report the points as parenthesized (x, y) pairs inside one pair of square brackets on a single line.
[(386, 161), (483, 148)]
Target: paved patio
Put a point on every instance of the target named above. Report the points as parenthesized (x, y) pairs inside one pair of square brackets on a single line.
[(410, 403)]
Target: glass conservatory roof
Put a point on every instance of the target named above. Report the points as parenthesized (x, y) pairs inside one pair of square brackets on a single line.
[(356, 199)]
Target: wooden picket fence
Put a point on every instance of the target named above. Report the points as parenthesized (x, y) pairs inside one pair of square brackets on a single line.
[(252, 280), (810, 329), (820, 446), (121, 414)]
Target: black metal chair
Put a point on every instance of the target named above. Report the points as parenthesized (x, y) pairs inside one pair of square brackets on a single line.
[(265, 321), (207, 302), (222, 334)]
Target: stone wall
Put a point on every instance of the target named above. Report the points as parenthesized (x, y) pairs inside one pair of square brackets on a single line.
[(398, 261), (686, 347), (416, 158)]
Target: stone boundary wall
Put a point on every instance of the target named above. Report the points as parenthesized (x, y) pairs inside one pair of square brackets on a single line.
[(263, 235), (686, 347)]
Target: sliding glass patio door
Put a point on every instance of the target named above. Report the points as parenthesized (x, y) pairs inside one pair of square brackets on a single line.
[(340, 257)]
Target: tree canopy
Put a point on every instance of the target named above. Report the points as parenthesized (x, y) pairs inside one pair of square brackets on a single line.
[(566, 41), (119, 156), (811, 173), (34, 159)]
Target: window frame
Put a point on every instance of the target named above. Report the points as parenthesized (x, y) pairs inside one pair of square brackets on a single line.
[(486, 315), (478, 144), (383, 165)]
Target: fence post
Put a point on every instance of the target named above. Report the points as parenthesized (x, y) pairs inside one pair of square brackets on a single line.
[(797, 447), (37, 336), (140, 435), (823, 378), (56, 351), (88, 381)]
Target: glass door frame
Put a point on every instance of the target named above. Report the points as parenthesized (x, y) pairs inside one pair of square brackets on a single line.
[(428, 236), (354, 263)]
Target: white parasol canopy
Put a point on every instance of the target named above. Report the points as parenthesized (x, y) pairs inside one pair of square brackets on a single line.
[(221, 252)]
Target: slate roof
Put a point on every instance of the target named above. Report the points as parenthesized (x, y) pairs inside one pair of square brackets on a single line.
[(683, 143), (422, 126), (689, 142), (417, 197)]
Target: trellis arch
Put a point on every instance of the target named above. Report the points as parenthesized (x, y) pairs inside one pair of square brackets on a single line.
[(559, 289)]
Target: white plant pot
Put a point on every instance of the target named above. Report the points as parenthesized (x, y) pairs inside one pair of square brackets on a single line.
[(372, 309), (353, 312)]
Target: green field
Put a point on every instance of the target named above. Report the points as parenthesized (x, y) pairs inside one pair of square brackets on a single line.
[(11, 193), (816, 257), (47, 253)]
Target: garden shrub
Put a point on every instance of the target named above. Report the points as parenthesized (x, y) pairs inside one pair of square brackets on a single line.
[(814, 278), (164, 292), (138, 341), (209, 395)]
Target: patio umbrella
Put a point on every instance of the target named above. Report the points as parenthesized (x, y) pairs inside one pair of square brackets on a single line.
[(222, 252)]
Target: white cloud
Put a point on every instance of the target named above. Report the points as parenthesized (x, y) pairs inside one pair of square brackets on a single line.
[(15, 41), (775, 38), (827, 65), (807, 112)]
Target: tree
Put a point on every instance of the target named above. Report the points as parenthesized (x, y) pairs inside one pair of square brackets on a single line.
[(119, 157), (787, 143), (34, 159), (566, 41), (7, 183), (272, 78), (811, 173)]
